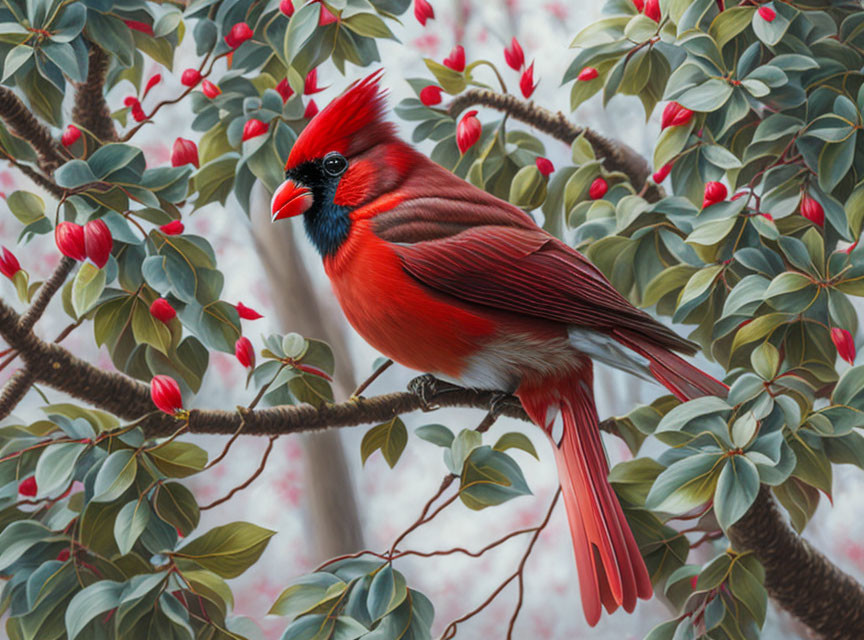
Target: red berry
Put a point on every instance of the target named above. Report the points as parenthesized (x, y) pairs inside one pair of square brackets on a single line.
[(97, 242), (184, 152), (190, 77), (714, 192), (662, 173), (69, 238), (70, 135), (162, 310), (423, 11), (253, 128), (468, 131), (812, 210), (165, 393), (767, 13), (287, 7), (430, 95), (545, 166), (244, 352), (209, 89), (587, 74), (28, 487), (240, 33), (598, 189), (456, 59), (845, 344), (173, 228)]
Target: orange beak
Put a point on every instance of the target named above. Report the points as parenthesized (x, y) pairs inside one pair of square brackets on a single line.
[(290, 200)]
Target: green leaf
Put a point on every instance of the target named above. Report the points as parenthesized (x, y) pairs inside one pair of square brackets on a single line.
[(57, 465), (176, 505), (451, 81), (228, 550), (369, 25), (770, 32), (88, 603), (87, 287), (729, 23), (148, 330), (748, 590), (179, 459), (26, 206), (743, 429), (489, 478), (685, 484), (515, 440), (709, 96), (736, 490), (74, 174), (436, 434), (130, 523), (115, 475), (17, 538), (386, 592), (305, 593), (765, 360), (390, 437)]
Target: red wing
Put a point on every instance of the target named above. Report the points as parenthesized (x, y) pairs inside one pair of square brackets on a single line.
[(527, 271)]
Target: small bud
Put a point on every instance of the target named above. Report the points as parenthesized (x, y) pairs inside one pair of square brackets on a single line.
[(430, 95), (253, 128), (812, 210), (468, 131), (587, 74), (714, 192), (155, 79), (209, 89), (767, 13), (842, 339), (456, 59), (165, 393), (652, 9), (162, 310), (244, 352), (662, 173), (184, 152), (310, 84), (138, 113), (423, 11), (28, 487), (63, 556), (247, 313), (526, 82), (69, 238), (851, 247), (598, 189), (544, 166), (768, 216), (9, 264), (284, 89), (311, 110), (240, 33), (514, 56), (326, 16), (97, 242), (287, 8), (143, 27), (639, 4), (70, 135), (190, 77), (173, 228), (674, 115)]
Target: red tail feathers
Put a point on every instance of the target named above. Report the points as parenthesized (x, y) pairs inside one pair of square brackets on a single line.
[(684, 380), (610, 568)]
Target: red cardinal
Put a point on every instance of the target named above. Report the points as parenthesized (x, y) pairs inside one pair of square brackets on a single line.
[(445, 278)]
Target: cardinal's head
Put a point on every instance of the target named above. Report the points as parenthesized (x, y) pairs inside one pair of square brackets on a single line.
[(346, 157)]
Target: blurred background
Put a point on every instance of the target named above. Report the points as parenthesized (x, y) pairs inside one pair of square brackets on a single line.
[(314, 491)]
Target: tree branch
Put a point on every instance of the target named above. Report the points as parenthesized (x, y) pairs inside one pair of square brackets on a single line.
[(91, 110), (46, 292), (797, 576), (23, 124), (616, 155)]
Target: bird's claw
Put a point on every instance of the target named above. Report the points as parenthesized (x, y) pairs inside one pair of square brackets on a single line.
[(424, 387)]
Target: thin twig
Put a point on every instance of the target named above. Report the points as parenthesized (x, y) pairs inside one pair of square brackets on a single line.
[(251, 479), (365, 384), (450, 631)]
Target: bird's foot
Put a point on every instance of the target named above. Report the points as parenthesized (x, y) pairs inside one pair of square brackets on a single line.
[(500, 402), (427, 387)]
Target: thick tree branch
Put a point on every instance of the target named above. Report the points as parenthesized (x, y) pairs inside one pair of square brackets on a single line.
[(46, 292), (797, 576), (91, 110), (616, 155), (23, 124)]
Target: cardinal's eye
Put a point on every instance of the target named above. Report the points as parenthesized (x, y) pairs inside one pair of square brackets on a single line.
[(335, 164)]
